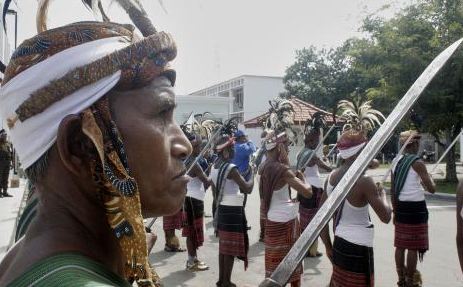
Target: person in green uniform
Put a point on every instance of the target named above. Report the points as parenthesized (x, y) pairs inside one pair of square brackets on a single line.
[(89, 109)]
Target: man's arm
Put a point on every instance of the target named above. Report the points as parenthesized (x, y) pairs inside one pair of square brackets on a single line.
[(325, 233), (460, 224), (197, 171), (376, 197), (322, 164), (245, 186), (426, 179), (297, 182)]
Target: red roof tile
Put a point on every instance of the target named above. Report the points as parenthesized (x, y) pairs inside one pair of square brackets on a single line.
[(302, 112)]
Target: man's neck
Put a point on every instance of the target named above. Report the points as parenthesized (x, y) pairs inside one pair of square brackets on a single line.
[(70, 218)]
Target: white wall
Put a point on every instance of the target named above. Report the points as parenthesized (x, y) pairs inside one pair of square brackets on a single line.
[(258, 90), (218, 106)]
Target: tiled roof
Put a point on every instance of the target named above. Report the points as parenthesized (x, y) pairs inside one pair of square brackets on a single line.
[(302, 112)]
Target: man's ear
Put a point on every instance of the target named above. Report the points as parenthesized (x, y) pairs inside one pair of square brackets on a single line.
[(73, 145)]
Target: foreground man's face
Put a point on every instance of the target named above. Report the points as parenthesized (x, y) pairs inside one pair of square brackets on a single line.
[(155, 145)]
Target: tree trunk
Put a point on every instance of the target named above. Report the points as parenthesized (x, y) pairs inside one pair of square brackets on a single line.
[(451, 168)]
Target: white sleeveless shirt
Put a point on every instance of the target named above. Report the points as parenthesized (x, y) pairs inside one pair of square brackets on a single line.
[(231, 193), (282, 208), (312, 176), (355, 225), (412, 190), (195, 189)]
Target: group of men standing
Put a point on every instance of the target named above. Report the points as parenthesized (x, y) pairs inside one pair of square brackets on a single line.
[(351, 252), (89, 108)]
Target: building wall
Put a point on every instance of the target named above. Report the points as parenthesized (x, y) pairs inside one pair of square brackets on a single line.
[(218, 106), (258, 90)]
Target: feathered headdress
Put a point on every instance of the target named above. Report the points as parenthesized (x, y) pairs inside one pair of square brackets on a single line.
[(313, 125), (360, 116), (200, 125), (281, 118)]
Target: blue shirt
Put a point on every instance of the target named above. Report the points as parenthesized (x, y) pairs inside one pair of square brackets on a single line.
[(243, 152)]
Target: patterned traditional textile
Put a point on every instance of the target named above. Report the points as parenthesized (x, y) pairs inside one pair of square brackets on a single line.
[(353, 265), (279, 238), (303, 158), (263, 219), (66, 270), (410, 217), (5, 163), (224, 170), (400, 174), (308, 207), (194, 221), (411, 226), (272, 172), (173, 222), (233, 234)]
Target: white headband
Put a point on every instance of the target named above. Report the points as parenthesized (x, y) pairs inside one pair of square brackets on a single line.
[(350, 152), (33, 137)]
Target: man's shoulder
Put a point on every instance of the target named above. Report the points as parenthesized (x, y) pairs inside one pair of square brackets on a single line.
[(68, 269)]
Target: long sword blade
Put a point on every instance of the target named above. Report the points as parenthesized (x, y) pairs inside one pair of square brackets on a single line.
[(320, 144), (297, 253), (446, 152)]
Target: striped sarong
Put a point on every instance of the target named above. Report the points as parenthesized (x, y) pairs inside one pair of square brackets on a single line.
[(233, 234), (173, 222), (308, 207), (411, 226), (194, 221), (279, 238), (353, 265)]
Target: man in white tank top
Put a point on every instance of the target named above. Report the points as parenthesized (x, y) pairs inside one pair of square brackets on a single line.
[(309, 207), (351, 253), (460, 224), (410, 212), (193, 228)]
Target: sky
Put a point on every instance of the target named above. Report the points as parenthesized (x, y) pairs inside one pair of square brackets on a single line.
[(221, 39)]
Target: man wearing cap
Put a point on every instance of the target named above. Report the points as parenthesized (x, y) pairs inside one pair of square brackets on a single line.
[(410, 179), (5, 164), (97, 100), (244, 148)]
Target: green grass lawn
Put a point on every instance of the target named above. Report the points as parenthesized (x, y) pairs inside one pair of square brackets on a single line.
[(446, 187)]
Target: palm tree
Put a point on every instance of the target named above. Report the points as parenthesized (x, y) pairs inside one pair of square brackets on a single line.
[(360, 116)]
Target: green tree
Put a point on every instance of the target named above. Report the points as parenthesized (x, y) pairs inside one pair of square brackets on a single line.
[(398, 51)]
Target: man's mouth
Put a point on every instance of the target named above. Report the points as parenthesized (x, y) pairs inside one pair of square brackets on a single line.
[(179, 175)]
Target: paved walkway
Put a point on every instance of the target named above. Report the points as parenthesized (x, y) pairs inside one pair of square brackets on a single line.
[(9, 207)]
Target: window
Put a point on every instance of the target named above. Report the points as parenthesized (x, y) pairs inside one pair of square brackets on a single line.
[(239, 98)]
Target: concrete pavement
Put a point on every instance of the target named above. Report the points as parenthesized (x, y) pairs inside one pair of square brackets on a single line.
[(9, 207), (440, 267)]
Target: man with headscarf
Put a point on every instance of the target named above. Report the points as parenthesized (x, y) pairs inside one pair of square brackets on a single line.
[(410, 179), (97, 100), (282, 225), (351, 253), (5, 164)]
